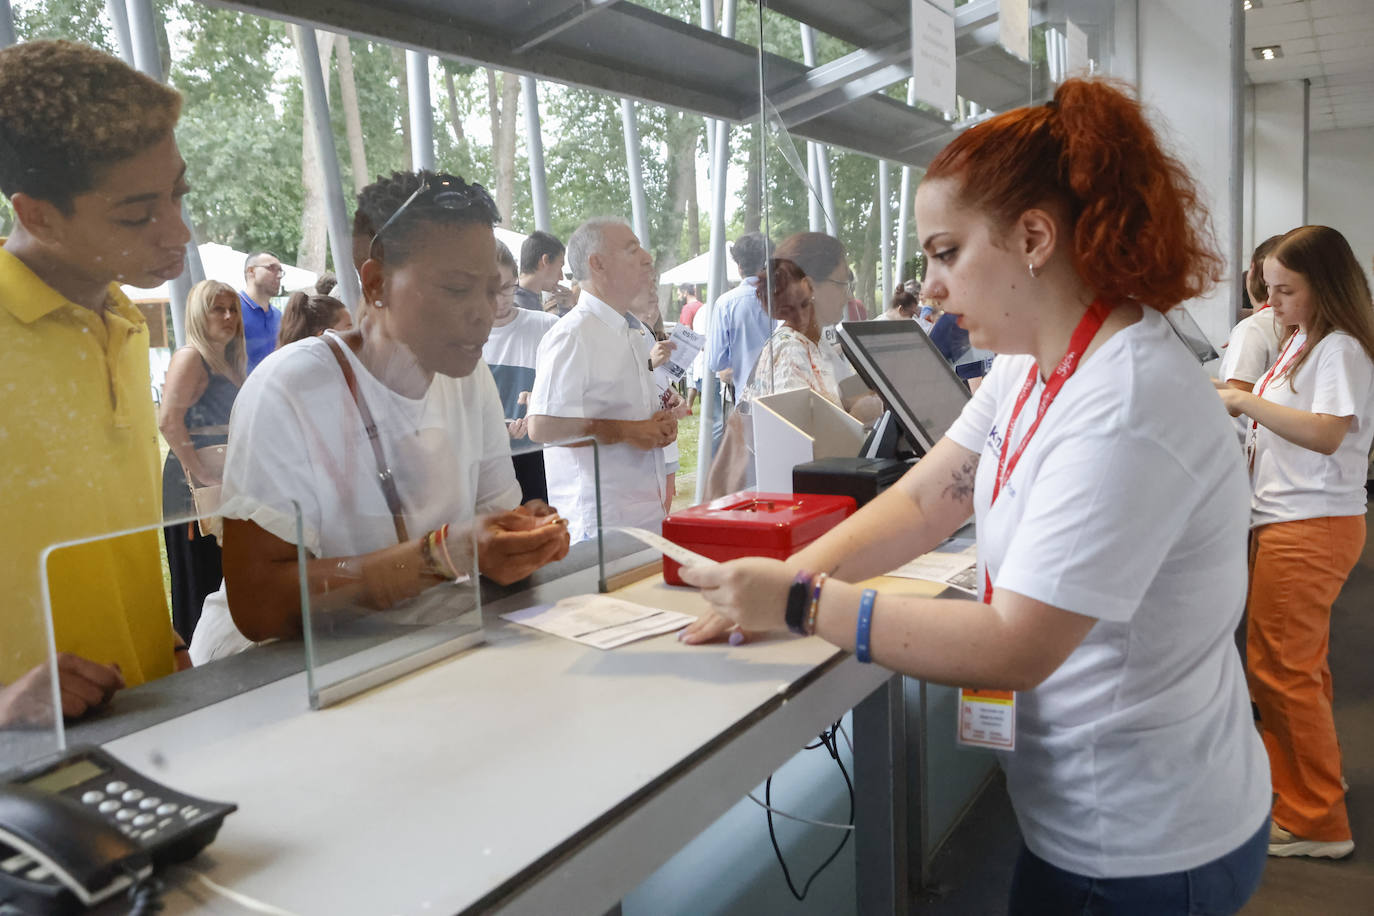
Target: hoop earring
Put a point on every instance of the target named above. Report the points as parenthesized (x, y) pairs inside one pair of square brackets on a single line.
[(1031, 266)]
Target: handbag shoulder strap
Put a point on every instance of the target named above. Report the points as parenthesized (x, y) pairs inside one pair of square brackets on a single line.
[(393, 499)]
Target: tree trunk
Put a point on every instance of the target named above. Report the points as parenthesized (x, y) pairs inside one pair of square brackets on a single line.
[(398, 60), (867, 268), (353, 122), (683, 133), (313, 252), (503, 138), (454, 119)]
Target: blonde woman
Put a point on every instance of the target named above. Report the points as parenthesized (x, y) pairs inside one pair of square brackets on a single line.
[(202, 382)]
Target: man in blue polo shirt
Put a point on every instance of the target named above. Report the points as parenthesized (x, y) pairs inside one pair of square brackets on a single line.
[(262, 273)]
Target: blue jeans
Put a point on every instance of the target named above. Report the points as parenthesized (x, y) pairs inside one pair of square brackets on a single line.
[(1219, 888)]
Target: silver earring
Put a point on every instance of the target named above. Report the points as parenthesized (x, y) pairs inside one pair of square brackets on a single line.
[(378, 304), (1033, 274)]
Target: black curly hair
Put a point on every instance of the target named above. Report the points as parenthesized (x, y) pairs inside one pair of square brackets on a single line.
[(379, 202)]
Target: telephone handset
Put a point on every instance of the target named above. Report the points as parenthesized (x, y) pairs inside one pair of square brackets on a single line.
[(79, 828)]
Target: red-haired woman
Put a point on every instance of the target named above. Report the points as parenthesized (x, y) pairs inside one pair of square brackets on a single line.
[(1311, 425), (1111, 508)]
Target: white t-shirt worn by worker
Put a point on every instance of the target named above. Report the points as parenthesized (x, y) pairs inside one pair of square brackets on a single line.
[(591, 366), (1138, 756), (1250, 350), (1291, 482), (296, 434)]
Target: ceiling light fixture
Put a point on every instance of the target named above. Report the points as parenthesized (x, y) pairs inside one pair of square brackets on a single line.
[(1268, 52)]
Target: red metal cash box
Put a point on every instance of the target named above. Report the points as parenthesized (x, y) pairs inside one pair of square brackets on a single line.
[(749, 524)]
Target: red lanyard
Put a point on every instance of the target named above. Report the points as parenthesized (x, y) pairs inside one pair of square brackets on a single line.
[(1264, 382), (1083, 335)]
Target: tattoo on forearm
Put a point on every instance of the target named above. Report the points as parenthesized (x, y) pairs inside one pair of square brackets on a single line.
[(960, 488)]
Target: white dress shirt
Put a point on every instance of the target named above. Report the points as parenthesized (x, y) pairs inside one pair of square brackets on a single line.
[(591, 366)]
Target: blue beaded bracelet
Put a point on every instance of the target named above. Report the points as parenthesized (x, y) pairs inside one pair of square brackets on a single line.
[(865, 624)]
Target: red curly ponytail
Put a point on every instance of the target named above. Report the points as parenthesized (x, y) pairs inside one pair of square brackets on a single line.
[(1140, 232)]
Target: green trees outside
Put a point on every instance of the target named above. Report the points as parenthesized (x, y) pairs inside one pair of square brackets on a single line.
[(255, 184)]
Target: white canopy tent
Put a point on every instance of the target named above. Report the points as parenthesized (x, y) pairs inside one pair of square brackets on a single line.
[(698, 270), (226, 265)]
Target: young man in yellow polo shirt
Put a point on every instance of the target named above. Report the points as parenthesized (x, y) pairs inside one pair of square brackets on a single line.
[(90, 166)]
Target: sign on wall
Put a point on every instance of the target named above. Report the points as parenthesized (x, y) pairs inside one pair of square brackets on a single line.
[(932, 54), (1013, 27)]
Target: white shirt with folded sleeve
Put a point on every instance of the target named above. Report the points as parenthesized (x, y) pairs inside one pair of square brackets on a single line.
[(591, 366), (1293, 483), (296, 436), (1138, 755)]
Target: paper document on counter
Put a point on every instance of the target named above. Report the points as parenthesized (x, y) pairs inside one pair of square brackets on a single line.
[(953, 563), (666, 547), (599, 621)]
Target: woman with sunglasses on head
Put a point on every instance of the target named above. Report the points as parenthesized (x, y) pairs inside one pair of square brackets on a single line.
[(198, 394), (389, 503), (1110, 504), (1311, 422)]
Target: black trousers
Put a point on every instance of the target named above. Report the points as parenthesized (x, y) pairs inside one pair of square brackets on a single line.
[(194, 561)]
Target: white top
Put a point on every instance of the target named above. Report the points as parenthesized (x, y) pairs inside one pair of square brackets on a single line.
[(1292, 482), (591, 366), (1249, 352), (1251, 349), (1139, 755), (516, 343), (295, 434)]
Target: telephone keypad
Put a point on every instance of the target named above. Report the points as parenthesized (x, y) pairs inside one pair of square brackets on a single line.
[(124, 814), (149, 804), (132, 795), (108, 806), (93, 797), (116, 787)]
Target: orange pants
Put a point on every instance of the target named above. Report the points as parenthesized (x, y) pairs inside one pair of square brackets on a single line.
[(1296, 571)]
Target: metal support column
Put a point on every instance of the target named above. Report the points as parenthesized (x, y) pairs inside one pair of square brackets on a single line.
[(421, 117), (534, 141), (340, 236), (904, 199), (147, 59), (639, 204), (885, 228), (119, 21), (7, 33), (880, 801), (720, 158), (808, 37)]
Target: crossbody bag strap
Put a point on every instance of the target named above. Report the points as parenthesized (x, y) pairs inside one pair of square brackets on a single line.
[(393, 499)]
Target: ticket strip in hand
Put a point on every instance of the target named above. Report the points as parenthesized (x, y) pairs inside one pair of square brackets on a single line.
[(987, 718)]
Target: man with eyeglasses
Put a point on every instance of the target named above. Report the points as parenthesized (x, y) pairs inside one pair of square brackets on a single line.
[(262, 273)]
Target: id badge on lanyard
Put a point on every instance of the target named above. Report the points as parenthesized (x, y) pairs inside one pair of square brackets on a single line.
[(987, 718)]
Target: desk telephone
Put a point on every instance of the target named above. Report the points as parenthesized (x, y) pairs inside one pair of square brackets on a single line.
[(78, 828)]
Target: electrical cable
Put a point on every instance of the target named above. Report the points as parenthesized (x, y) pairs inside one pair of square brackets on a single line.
[(145, 895), (241, 899), (827, 738)]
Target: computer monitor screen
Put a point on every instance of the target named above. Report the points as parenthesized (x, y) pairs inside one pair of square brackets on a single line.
[(1188, 331), (899, 361)]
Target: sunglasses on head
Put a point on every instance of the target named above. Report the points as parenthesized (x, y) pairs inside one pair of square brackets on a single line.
[(447, 194)]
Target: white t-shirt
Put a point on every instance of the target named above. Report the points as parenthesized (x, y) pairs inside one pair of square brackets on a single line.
[(1292, 482), (1251, 349), (295, 434), (1137, 756), (509, 352), (591, 366)]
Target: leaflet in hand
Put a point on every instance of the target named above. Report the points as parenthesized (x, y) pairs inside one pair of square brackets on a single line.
[(688, 344)]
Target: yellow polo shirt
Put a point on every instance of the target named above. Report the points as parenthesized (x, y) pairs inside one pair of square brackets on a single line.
[(78, 459)]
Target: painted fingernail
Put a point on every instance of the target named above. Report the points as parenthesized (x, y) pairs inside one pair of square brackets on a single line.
[(681, 635), (737, 638)]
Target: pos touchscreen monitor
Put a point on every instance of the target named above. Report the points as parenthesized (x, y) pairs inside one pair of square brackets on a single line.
[(1192, 336), (898, 360)]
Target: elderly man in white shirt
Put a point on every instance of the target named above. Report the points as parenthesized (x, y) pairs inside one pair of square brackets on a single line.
[(592, 379)]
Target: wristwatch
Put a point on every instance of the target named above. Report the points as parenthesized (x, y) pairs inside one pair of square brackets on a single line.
[(798, 597)]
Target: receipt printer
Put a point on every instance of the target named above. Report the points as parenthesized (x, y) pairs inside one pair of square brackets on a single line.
[(861, 478), (750, 524)]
